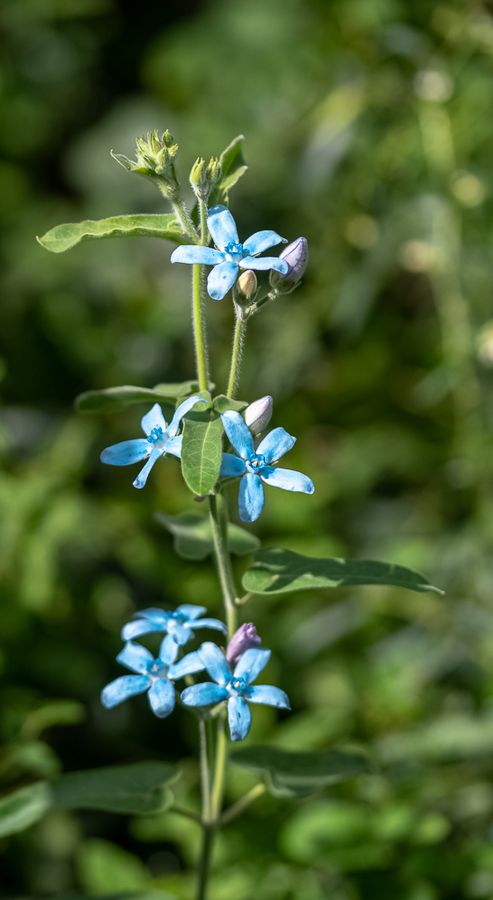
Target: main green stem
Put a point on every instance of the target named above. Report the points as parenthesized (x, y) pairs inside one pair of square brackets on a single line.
[(237, 353), (198, 298)]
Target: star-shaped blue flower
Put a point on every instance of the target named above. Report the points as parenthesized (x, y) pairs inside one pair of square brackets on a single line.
[(179, 624), (160, 439), (154, 676), (256, 465), (235, 687), (230, 255)]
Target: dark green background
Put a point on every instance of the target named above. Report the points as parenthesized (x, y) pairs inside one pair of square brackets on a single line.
[(368, 126)]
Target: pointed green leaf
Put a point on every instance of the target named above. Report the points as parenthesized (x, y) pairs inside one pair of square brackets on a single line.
[(291, 774), (193, 536), (64, 237), (278, 571), (135, 789), (201, 451), (115, 399), (222, 403), (233, 167), (23, 808)]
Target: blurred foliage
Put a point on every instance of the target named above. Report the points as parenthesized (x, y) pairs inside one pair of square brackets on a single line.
[(368, 130)]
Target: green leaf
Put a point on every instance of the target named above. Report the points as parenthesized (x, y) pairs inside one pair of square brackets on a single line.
[(135, 789), (201, 451), (278, 571), (64, 237), (291, 774), (222, 403), (233, 167), (23, 808), (193, 536), (115, 399)]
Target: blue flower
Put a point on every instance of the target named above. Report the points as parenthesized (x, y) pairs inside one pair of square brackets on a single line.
[(154, 676), (234, 687), (256, 465), (178, 625), (230, 255), (160, 439)]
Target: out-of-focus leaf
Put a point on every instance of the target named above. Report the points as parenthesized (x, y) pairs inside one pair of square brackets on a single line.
[(201, 451), (193, 536), (33, 757), (23, 808), (64, 237), (292, 774), (279, 571), (138, 788), (54, 712), (115, 399), (102, 864)]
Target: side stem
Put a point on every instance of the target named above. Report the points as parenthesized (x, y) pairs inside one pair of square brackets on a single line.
[(237, 352)]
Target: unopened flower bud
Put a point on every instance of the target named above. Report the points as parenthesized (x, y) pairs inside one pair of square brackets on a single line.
[(296, 256), (247, 284), (243, 639), (155, 156), (205, 176), (258, 414)]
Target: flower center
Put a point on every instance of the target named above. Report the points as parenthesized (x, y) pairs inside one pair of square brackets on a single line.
[(234, 251), (157, 669), (157, 436), (236, 685), (255, 463)]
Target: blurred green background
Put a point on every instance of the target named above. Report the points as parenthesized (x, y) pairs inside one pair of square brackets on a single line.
[(368, 126)]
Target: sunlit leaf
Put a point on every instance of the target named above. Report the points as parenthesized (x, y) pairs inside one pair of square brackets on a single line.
[(64, 237), (233, 167), (201, 451), (115, 399)]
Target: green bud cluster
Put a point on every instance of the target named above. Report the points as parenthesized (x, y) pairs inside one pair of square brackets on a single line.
[(155, 158), (204, 177)]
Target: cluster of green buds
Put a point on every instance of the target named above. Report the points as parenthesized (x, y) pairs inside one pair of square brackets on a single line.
[(204, 177), (155, 158)]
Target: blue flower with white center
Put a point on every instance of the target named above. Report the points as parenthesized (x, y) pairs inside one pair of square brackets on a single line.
[(179, 624), (153, 676), (234, 687), (256, 465), (230, 255), (160, 440)]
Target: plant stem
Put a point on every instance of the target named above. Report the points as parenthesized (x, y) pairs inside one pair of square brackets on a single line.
[(198, 298), (219, 769), (181, 212), (257, 791), (205, 860), (219, 525), (205, 781), (237, 353)]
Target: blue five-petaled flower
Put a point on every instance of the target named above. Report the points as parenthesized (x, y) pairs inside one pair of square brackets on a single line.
[(235, 687), (179, 625), (256, 465), (160, 439), (153, 676), (230, 255)]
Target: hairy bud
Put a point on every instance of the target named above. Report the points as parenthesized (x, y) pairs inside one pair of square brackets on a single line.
[(155, 156), (296, 256), (247, 285), (258, 414), (243, 639), (205, 176)]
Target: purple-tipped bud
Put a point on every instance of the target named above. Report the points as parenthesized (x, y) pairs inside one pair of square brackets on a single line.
[(258, 414), (243, 639), (296, 256)]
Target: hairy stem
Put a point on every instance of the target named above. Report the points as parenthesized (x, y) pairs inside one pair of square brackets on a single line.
[(219, 524), (205, 781), (205, 861), (237, 353), (198, 301)]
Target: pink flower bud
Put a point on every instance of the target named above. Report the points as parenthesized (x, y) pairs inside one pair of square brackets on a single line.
[(243, 639)]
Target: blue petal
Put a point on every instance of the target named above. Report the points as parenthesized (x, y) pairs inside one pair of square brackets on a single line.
[(222, 226), (153, 419), (168, 650), (162, 697), (173, 446), (141, 626), (231, 466), (191, 610), (135, 657), (261, 241), (126, 452), (143, 475), (264, 262), (288, 480), (268, 694), (122, 688), (190, 253), (238, 433), (221, 279), (251, 497), (154, 613), (215, 624), (276, 444), (251, 663), (181, 411), (239, 718), (215, 662), (180, 633), (205, 694), (188, 665)]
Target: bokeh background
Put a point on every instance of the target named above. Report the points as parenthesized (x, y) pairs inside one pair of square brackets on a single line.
[(368, 126)]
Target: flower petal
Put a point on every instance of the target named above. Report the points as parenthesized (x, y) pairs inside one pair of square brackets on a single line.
[(143, 475), (222, 226), (263, 263), (162, 697), (122, 688), (261, 241), (153, 419), (168, 650), (187, 665), (126, 452), (251, 663), (215, 624), (191, 610), (192, 253), (141, 626), (288, 480), (135, 657), (238, 433), (205, 694), (239, 718), (180, 633), (268, 694), (231, 466), (215, 662), (276, 444), (154, 613), (181, 411), (174, 446), (251, 497), (221, 279)]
